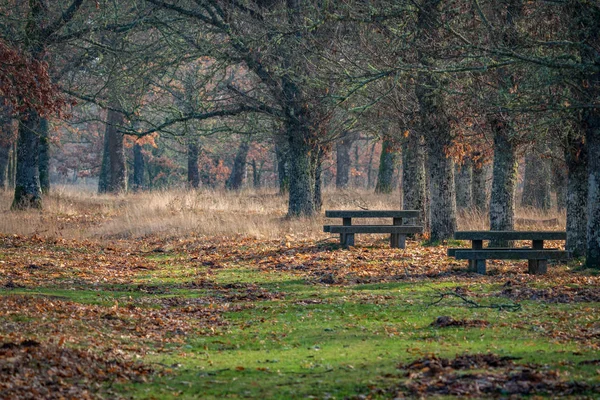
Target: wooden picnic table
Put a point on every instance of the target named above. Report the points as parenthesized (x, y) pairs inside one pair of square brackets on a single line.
[(397, 230), (536, 255)]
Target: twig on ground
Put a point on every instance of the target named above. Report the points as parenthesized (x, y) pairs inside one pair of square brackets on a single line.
[(473, 304)]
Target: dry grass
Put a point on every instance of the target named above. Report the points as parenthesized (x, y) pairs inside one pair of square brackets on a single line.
[(74, 213)]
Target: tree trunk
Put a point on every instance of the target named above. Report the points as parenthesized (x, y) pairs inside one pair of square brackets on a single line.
[(559, 181), (318, 181), (479, 185), (116, 153), (577, 193), (104, 178), (12, 166), (435, 127), (504, 180), (592, 121), (370, 166), (463, 179), (414, 193), (301, 173), (238, 172), (4, 161), (138, 167), (28, 193), (6, 141), (342, 177), (44, 156), (281, 153), (193, 173), (536, 181), (387, 165)]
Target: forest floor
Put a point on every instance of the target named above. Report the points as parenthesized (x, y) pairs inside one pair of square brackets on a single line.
[(104, 312)]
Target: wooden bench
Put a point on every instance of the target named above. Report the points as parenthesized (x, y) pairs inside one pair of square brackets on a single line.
[(536, 255), (398, 230)]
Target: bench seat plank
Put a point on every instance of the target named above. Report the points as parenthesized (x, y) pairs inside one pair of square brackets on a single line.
[(406, 229), (371, 213), (452, 251), (510, 254), (510, 235)]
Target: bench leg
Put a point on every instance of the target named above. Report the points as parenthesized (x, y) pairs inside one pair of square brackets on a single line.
[(349, 240), (538, 267), (397, 241), (477, 266), (342, 239)]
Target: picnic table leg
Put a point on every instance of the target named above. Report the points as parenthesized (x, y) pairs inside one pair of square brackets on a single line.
[(349, 239), (397, 240), (537, 267), (537, 244), (477, 265), (344, 236)]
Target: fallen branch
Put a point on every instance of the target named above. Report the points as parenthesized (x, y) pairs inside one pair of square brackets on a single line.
[(473, 304)]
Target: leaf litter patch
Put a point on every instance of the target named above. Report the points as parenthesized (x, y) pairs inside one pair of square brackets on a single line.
[(34, 370), (447, 321), (483, 375), (554, 294)]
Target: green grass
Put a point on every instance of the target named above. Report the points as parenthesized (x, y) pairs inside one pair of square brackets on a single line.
[(332, 341), (350, 342)]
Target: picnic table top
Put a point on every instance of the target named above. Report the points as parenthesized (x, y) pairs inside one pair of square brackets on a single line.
[(372, 213), (510, 235)]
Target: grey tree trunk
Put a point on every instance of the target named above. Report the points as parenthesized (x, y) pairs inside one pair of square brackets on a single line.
[(479, 185), (193, 173), (104, 178), (318, 180), (12, 166), (138, 168), (6, 143), (577, 196), (238, 172), (282, 165), (301, 173), (44, 156), (414, 193), (463, 180), (589, 23), (116, 151), (504, 178), (435, 127), (536, 181), (559, 182), (387, 166), (370, 167), (4, 160), (592, 136), (28, 193), (342, 177)]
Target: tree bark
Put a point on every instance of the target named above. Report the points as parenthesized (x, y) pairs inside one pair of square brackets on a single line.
[(536, 181), (193, 173), (28, 193), (238, 172), (342, 177), (138, 167), (318, 199), (414, 193), (387, 166), (435, 127), (104, 178), (44, 156), (118, 171), (479, 185), (463, 179), (577, 196), (504, 179), (301, 173), (6, 143), (559, 181), (282, 166)]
